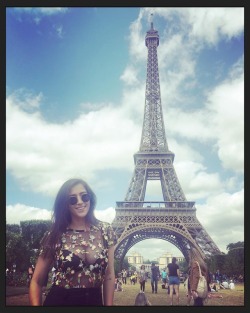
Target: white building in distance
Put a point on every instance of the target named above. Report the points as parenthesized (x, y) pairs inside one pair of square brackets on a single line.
[(136, 259)]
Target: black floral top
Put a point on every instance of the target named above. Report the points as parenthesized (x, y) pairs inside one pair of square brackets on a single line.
[(82, 256)]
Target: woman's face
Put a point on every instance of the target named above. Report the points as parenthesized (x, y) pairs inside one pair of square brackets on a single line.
[(79, 202)]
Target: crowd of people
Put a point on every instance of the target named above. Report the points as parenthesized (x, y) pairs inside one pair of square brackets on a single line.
[(169, 278)]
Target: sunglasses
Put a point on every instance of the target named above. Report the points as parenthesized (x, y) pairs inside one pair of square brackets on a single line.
[(73, 199)]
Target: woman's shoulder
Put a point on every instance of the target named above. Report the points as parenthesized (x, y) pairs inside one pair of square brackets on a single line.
[(195, 263), (108, 232), (103, 225)]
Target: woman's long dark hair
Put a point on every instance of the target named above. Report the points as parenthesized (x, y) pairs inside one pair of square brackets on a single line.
[(194, 255), (142, 300), (61, 217)]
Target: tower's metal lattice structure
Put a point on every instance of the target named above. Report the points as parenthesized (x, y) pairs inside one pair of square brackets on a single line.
[(173, 219)]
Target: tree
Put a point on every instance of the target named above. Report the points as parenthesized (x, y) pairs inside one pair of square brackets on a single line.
[(14, 228), (22, 242), (231, 263), (234, 264), (183, 266), (34, 230), (147, 261), (125, 263), (216, 262), (231, 246), (118, 268), (17, 251)]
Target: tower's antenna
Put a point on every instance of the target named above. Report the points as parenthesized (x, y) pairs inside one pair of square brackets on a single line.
[(151, 20)]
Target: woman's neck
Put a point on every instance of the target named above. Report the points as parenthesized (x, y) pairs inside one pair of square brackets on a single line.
[(79, 225)]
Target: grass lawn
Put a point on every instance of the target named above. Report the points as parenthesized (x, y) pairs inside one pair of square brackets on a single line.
[(127, 297)]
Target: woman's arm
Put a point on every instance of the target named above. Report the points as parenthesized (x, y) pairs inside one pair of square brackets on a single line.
[(40, 274), (178, 272), (109, 280)]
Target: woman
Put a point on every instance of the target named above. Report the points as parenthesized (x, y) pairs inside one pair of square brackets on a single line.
[(173, 280), (80, 247), (194, 274), (142, 278)]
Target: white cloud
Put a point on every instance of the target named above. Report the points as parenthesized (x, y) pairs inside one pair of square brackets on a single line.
[(106, 215), (223, 218), (59, 30), (20, 212), (210, 24), (129, 76), (226, 103), (207, 25), (137, 44), (107, 131)]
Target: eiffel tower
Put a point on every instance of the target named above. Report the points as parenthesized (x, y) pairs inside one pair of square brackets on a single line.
[(173, 219)]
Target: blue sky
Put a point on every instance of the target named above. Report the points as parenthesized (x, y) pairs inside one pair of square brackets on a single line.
[(75, 86)]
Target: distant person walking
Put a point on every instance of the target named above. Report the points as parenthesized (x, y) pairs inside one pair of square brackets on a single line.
[(155, 274), (142, 278), (164, 276), (173, 280), (124, 276)]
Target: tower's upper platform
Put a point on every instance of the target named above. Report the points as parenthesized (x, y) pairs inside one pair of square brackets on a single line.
[(152, 34)]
